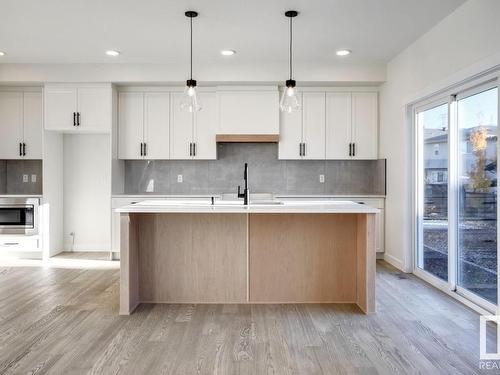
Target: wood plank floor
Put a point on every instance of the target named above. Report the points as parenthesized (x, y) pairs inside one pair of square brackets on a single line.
[(65, 321)]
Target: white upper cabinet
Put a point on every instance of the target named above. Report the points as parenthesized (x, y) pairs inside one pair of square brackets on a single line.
[(290, 144), (84, 108), (157, 125), (144, 125), (32, 125), (11, 125), (130, 125), (331, 125), (248, 111), (302, 132), (338, 125), (192, 135), (60, 107), (365, 125), (313, 125), (205, 127), (181, 130), (94, 109), (20, 125)]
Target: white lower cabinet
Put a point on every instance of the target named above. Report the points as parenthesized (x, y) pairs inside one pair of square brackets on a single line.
[(20, 125)]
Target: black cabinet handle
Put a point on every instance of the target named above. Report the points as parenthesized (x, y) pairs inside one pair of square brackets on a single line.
[(74, 118), (350, 149), (190, 149), (304, 149), (77, 118), (145, 149), (194, 148), (300, 149), (142, 152), (354, 149), (20, 149), (24, 149)]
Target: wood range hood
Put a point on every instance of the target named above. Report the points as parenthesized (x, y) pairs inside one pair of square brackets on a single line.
[(247, 138)]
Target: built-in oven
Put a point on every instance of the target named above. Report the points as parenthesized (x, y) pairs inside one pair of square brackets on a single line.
[(19, 216)]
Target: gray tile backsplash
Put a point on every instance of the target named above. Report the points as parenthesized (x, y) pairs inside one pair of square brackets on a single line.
[(267, 174), (11, 177)]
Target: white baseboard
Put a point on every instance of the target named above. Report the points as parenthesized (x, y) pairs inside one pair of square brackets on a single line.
[(87, 247), (394, 261)]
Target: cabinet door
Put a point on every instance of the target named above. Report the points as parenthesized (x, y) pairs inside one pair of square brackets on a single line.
[(313, 124), (60, 104), (365, 124), (32, 125), (290, 133), (157, 125), (338, 125), (11, 126), (248, 112), (205, 127), (181, 129), (130, 124), (94, 107)]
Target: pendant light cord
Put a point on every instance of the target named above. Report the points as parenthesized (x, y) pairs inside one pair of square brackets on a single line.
[(191, 71), (291, 46)]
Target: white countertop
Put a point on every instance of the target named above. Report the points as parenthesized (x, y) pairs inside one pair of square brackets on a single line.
[(21, 196), (202, 206)]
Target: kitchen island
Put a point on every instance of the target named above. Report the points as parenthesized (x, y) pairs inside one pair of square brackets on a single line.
[(279, 252)]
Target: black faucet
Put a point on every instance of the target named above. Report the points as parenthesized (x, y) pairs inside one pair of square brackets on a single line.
[(246, 192)]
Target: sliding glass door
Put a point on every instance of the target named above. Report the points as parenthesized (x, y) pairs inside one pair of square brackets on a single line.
[(477, 120), (433, 123), (456, 192)]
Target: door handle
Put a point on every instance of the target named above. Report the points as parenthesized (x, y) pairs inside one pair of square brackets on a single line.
[(145, 149), (24, 149), (74, 118), (77, 118), (354, 149), (304, 149), (142, 152), (190, 149), (194, 148), (350, 149), (20, 149)]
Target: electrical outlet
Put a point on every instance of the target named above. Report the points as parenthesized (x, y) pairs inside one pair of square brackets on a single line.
[(322, 178), (33, 178), (179, 178), (25, 178)]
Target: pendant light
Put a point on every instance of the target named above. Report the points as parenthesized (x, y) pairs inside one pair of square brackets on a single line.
[(190, 101), (289, 100)]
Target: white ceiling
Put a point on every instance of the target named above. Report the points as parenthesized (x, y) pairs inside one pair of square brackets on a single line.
[(156, 31)]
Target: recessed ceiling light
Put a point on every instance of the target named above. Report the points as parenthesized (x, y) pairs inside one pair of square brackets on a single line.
[(112, 52), (227, 52), (2, 53), (343, 52)]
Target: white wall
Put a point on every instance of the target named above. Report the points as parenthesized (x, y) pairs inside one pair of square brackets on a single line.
[(462, 44), (87, 191)]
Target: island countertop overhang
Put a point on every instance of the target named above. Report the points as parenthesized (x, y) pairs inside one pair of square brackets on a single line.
[(288, 207)]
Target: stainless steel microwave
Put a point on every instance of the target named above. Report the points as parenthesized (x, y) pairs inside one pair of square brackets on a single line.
[(19, 216)]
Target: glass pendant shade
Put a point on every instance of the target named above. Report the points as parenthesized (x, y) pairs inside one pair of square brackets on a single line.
[(290, 99), (190, 101)]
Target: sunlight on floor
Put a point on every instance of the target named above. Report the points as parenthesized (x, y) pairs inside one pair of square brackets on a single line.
[(68, 260)]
